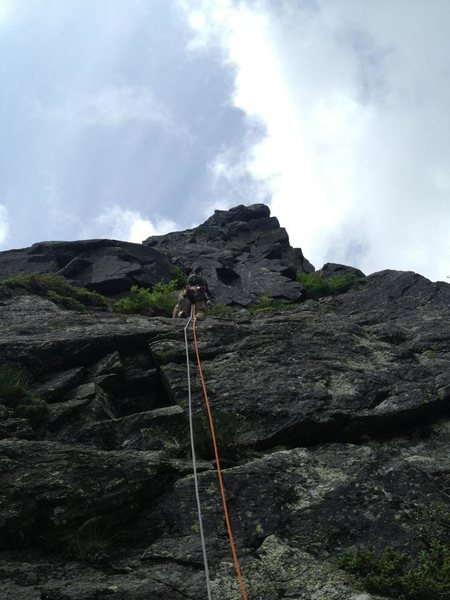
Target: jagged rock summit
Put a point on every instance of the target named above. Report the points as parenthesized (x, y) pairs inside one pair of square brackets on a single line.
[(244, 252), (332, 416)]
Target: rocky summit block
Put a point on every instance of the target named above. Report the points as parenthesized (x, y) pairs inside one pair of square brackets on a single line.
[(244, 254)]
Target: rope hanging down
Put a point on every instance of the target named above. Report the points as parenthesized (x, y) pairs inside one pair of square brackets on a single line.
[(194, 465), (216, 456)]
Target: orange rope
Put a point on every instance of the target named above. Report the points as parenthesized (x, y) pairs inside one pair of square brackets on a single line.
[(219, 469)]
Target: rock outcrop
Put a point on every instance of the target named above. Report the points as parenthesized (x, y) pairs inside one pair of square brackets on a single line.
[(244, 253), (331, 414), (106, 266)]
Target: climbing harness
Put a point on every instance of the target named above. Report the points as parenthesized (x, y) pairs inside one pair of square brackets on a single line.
[(217, 460), (194, 462)]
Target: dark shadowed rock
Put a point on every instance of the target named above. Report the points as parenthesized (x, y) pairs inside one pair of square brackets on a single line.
[(71, 486), (334, 269), (106, 266)]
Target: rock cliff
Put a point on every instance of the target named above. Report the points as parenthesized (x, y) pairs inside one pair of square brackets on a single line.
[(332, 418)]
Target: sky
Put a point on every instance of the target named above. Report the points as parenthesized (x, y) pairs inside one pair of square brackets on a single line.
[(128, 118)]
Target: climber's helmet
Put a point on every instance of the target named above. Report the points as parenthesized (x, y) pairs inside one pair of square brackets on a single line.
[(197, 269)]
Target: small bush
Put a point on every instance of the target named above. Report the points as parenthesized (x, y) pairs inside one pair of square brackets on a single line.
[(395, 572), (317, 286), (341, 283), (179, 277), (266, 303), (57, 289), (160, 300)]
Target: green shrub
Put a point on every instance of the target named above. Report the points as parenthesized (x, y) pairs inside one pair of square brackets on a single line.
[(179, 277), (160, 300), (266, 303), (317, 286), (341, 283), (396, 572), (57, 289)]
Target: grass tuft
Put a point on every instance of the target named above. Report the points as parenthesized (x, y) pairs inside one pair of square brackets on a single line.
[(16, 393)]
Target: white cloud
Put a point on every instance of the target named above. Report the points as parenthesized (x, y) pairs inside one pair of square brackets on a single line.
[(4, 224), (354, 99), (121, 223), (7, 8), (111, 106)]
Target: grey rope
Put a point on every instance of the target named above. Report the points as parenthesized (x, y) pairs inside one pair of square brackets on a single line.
[(194, 462)]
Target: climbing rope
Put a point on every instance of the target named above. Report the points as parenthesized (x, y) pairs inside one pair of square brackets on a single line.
[(194, 462), (216, 456)]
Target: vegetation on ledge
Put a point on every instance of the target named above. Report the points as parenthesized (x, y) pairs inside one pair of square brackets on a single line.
[(57, 289), (160, 300), (317, 286), (399, 574), (15, 393)]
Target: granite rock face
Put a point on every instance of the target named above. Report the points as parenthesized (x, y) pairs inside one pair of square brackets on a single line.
[(244, 254), (332, 419)]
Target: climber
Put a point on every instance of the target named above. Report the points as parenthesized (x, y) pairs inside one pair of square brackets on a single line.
[(196, 292)]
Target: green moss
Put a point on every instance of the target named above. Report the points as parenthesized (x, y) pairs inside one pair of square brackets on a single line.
[(400, 574), (316, 286), (57, 289), (160, 300)]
